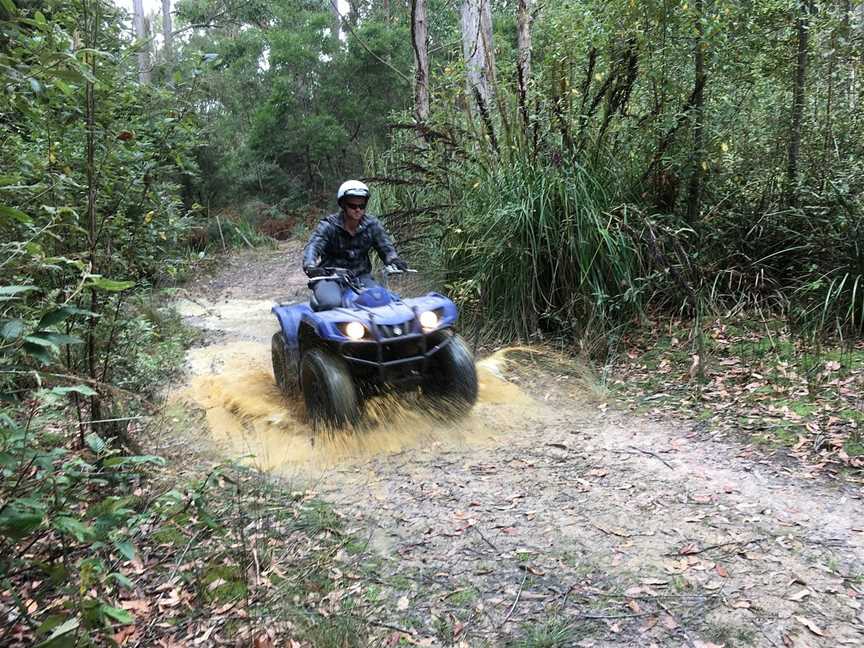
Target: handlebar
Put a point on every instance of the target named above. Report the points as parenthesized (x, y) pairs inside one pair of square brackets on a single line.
[(343, 274)]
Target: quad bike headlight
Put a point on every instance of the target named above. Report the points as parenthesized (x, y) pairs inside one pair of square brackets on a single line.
[(355, 330), (429, 320)]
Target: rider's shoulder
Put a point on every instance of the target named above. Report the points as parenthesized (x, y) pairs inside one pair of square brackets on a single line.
[(330, 220), (371, 221)]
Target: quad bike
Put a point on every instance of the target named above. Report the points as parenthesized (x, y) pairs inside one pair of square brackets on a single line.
[(376, 342)]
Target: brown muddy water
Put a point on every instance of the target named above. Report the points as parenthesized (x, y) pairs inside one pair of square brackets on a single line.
[(252, 421)]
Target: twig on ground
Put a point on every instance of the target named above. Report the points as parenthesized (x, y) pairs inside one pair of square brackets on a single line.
[(182, 556), (602, 617), (743, 543), (484, 538), (515, 601), (620, 534), (652, 454), (381, 624)]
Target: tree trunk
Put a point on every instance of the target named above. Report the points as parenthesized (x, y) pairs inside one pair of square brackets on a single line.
[(167, 32), (420, 43), (694, 189), (140, 25), (803, 28), (335, 21), (523, 62), (476, 24), (488, 40)]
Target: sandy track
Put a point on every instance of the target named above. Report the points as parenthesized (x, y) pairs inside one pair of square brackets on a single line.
[(545, 506)]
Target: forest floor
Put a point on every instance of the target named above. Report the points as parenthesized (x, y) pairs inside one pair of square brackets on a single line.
[(551, 516)]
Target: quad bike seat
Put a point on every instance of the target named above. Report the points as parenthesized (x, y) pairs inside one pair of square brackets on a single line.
[(314, 304)]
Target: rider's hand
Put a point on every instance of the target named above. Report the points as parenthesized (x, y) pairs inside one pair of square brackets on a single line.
[(315, 272), (399, 264)]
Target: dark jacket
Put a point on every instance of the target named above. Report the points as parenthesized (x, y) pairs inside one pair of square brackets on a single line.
[(332, 246)]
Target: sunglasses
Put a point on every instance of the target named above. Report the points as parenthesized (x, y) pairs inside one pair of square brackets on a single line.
[(349, 205)]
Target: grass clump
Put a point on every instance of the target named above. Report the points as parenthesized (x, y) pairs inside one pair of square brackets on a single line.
[(552, 633), (534, 247)]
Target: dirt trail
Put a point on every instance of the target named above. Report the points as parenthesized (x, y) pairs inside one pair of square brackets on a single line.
[(548, 509)]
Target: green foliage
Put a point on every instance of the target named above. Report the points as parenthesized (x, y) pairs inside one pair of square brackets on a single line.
[(290, 109), (536, 246), (75, 512), (614, 95)]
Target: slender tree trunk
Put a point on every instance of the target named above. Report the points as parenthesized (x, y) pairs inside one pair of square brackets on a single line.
[(420, 43), (335, 21), (694, 189), (523, 67), (92, 31), (802, 23), (167, 33), (140, 25), (488, 40)]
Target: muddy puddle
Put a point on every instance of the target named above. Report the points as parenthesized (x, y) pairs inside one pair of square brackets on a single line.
[(252, 421)]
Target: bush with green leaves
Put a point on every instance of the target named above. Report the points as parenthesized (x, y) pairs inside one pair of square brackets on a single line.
[(67, 520)]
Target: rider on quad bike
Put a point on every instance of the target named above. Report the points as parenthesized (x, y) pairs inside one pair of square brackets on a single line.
[(344, 240), (356, 339)]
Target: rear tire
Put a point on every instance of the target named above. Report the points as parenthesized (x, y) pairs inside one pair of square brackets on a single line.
[(452, 381), (328, 389)]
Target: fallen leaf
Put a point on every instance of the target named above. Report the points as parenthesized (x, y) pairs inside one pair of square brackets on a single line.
[(650, 622), (810, 625), (721, 571), (262, 641), (125, 634), (171, 599), (139, 607), (532, 570), (689, 548), (403, 603), (800, 595), (668, 622), (216, 583)]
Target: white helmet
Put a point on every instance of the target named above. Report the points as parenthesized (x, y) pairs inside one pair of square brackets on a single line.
[(352, 188)]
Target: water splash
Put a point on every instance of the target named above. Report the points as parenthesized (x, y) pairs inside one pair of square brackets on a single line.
[(248, 416)]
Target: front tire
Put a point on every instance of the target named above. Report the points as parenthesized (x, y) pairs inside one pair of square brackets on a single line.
[(285, 378), (328, 389), (452, 380)]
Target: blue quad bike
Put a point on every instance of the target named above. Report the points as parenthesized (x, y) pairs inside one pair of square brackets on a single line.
[(375, 343)]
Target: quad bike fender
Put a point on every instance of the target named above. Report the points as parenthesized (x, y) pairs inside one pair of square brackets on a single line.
[(289, 320)]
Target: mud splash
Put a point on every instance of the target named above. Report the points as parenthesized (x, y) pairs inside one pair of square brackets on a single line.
[(251, 420)]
